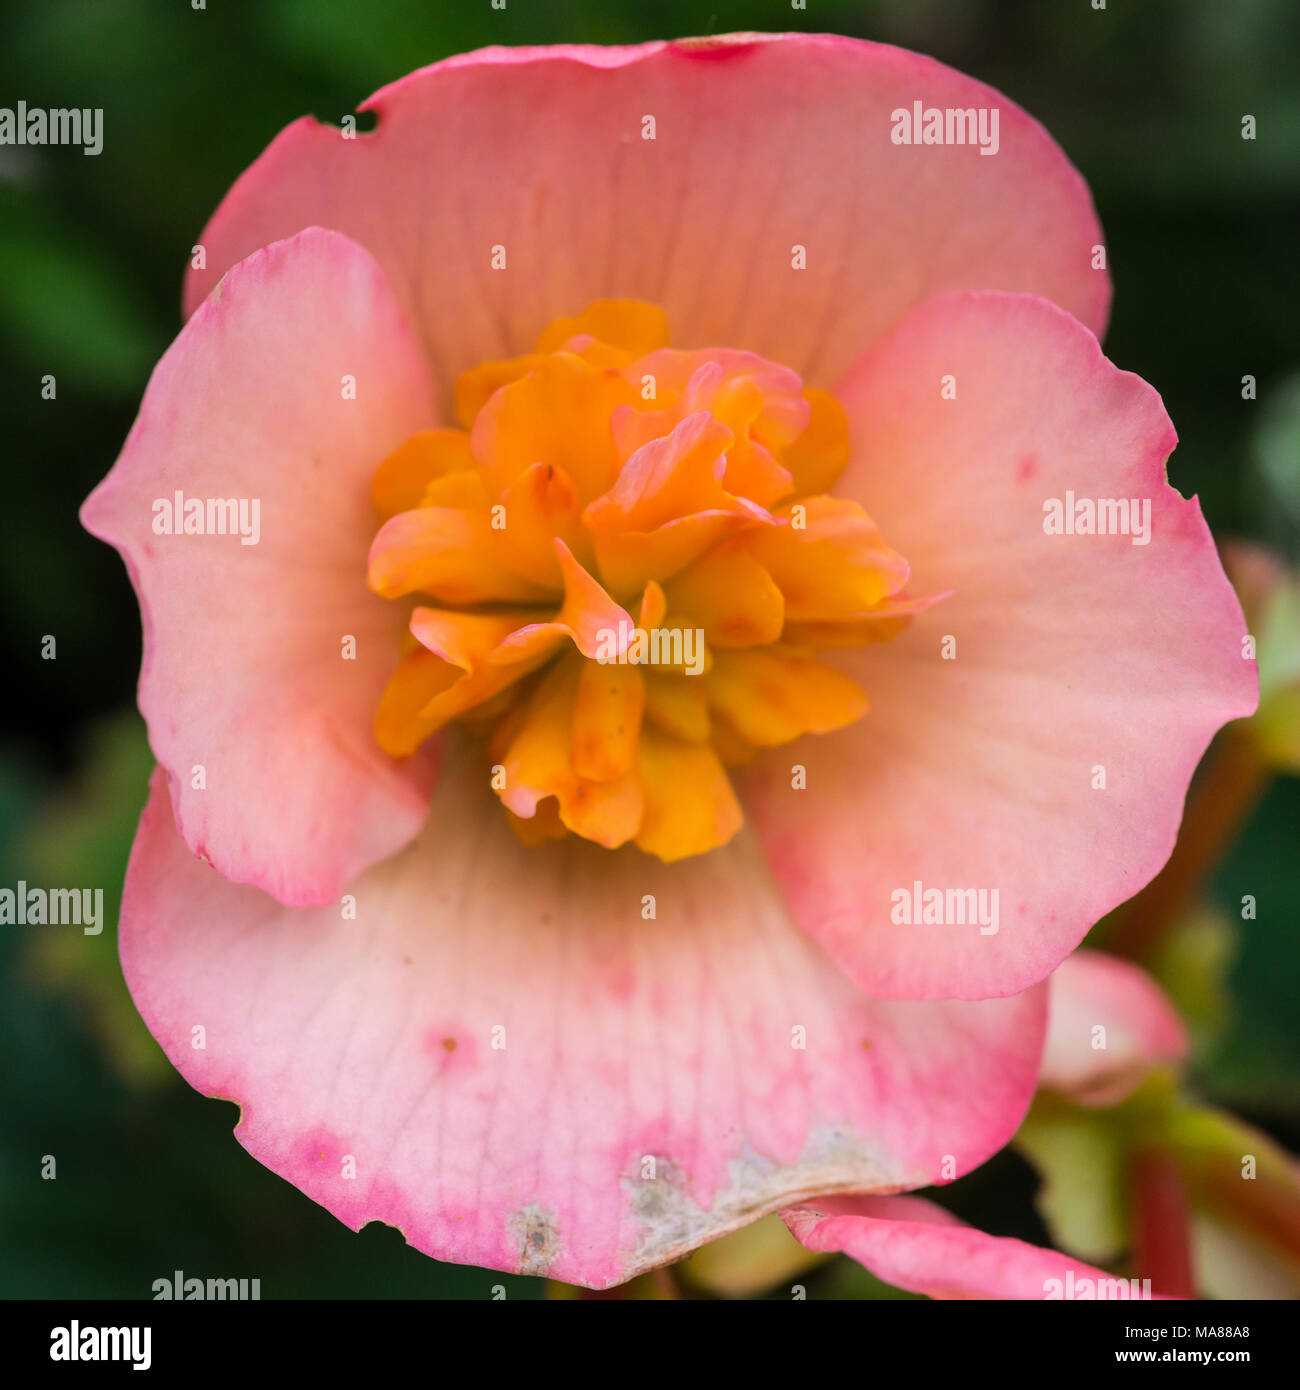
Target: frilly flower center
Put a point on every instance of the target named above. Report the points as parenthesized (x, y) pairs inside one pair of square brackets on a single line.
[(628, 561)]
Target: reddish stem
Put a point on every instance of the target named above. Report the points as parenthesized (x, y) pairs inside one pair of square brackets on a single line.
[(1162, 1240)]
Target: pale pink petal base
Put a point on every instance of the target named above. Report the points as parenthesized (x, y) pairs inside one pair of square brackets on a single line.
[(762, 144), (264, 663), (916, 1245), (1109, 1023), (525, 1072), (1058, 663)]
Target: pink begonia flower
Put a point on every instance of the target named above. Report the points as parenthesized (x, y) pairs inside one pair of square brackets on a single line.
[(582, 346)]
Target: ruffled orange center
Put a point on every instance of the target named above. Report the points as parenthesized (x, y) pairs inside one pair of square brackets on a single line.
[(629, 562)]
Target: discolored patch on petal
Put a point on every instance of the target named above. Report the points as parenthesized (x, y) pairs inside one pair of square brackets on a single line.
[(538, 1240)]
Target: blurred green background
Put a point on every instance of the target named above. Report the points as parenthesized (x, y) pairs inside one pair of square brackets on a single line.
[(1147, 99)]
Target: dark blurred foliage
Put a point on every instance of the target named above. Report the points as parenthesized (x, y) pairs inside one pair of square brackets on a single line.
[(1147, 99)]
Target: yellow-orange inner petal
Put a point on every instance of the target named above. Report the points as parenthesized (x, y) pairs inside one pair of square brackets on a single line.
[(624, 569)]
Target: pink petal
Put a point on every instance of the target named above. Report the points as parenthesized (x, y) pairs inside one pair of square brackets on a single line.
[(916, 1245), (1073, 652), (244, 671), (1140, 1028), (627, 1041), (763, 142)]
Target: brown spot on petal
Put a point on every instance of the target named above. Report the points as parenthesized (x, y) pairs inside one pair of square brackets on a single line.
[(538, 1240)]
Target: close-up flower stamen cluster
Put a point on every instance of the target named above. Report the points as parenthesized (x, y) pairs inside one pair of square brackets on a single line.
[(614, 470)]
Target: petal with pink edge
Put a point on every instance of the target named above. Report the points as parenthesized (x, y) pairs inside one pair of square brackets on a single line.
[(1139, 1028), (917, 1245), (1034, 734), (247, 670), (762, 143), (528, 1073)]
